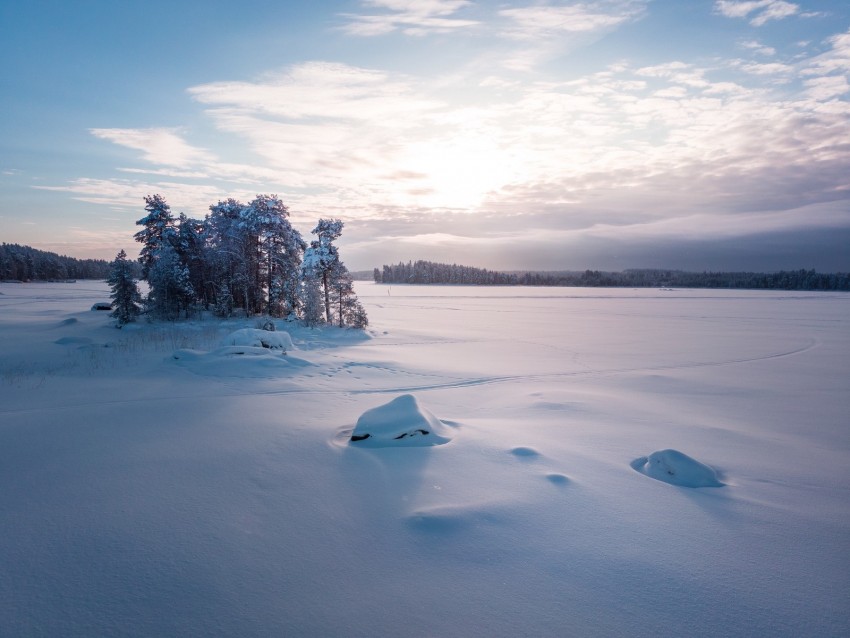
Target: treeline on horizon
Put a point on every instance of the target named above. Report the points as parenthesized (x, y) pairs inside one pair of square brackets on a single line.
[(24, 263), (427, 272)]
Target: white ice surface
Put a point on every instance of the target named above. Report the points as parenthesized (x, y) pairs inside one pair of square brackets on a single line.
[(209, 494)]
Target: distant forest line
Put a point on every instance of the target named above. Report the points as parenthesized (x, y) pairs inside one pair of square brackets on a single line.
[(427, 272), (23, 263)]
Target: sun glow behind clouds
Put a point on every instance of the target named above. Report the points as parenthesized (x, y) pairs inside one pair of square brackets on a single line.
[(655, 139)]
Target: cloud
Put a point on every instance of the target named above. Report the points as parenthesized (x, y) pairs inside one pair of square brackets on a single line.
[(769, 68), (538, 31), (809, 237), (825, 88), (159, 145), (545, 31), (763, 10), (759, 48), (834, 60), (128, 195), (546, 21), (412, 17)]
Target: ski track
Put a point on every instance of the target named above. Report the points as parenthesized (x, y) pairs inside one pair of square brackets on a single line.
[(448, 385)]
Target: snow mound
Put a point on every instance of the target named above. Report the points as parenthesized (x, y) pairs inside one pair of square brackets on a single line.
[(672, 466), (240, 361), (400, 423), (102, 305), (253, 337), (69, 321), (557, 479)]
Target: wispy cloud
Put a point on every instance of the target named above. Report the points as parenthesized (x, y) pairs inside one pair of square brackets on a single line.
[(544, 31), (764, 68), (159, 145), (758, 47), (762, 11), (412, 17), (536, 32), (546, 21), (129, 194)]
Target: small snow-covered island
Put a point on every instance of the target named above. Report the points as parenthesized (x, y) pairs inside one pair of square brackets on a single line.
[(250, 455)]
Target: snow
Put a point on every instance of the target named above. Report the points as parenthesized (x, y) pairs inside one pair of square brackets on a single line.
[(154, 481), (400, 423), (676, 468), (277, 340)]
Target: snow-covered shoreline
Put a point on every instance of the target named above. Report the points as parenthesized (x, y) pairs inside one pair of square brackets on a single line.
[(216, 494)]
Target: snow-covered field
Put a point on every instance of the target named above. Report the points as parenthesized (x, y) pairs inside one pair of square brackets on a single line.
[(176, 480)]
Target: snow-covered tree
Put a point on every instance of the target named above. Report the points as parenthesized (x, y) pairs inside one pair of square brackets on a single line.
[(171, 289), (322, 263), (229, 252), (190, 246), (244, 256), (348, 309), (312, 304), (280, 251), (158, 227), (324, 256), (126, 299), (223, 301)]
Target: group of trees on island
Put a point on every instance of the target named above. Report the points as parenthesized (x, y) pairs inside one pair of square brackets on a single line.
[(427, 272), (240, 257), (23, 263)]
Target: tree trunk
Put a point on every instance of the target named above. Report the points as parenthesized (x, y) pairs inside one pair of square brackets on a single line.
[(327, 297), (340, 308)]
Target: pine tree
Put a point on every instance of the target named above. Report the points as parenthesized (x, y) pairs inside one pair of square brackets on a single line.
[(280, 249), (158, 227), (125, 295), (225, 250), (348, 309), (223, 301), (312, 306), (171, 290), (190, 246), (325, 256)]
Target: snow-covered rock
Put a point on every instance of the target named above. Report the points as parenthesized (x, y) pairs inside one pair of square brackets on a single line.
[(253, 337), (672, 466), (400, 423)]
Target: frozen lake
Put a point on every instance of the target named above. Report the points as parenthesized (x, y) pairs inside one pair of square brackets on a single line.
[(154, 483)]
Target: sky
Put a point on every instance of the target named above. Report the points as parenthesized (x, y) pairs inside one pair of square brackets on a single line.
[(605, 134)]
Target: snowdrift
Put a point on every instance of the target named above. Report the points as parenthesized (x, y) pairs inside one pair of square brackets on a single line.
[(672, 466), (400, 423), (256, 338), (240, 361)]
